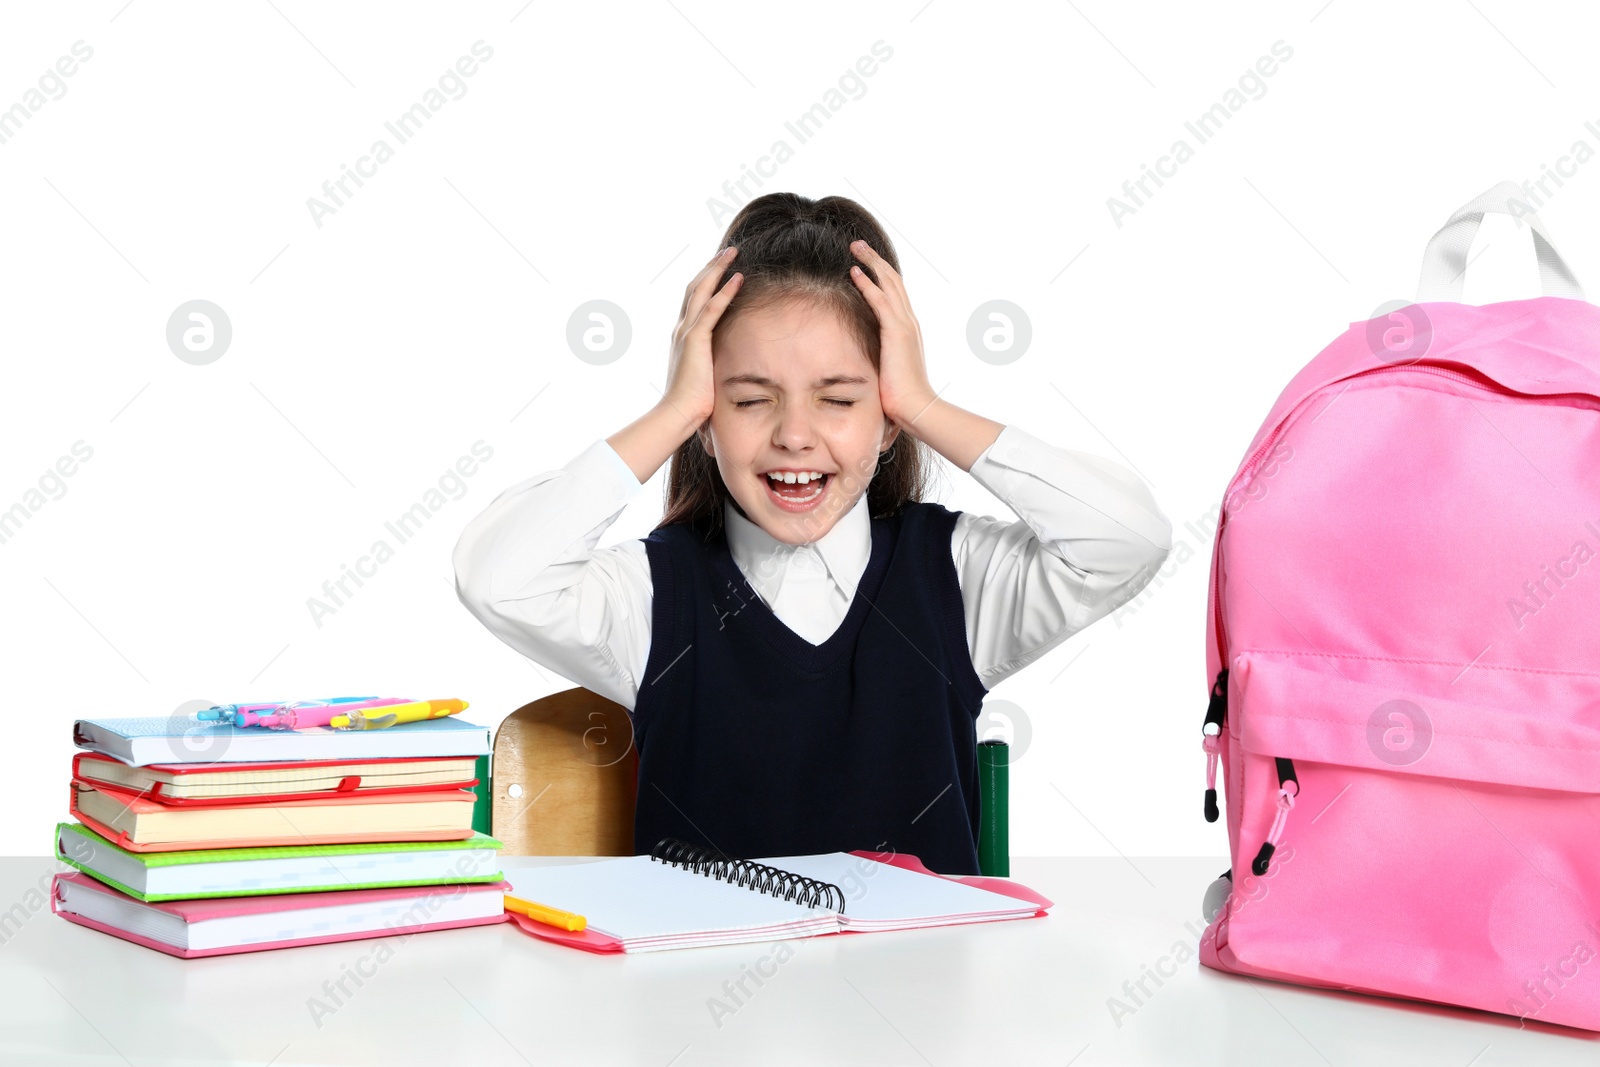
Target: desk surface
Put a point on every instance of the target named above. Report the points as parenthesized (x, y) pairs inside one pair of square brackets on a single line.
[(1028, 992)]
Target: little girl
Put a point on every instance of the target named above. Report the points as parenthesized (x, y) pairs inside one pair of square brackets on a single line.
[(804, 643)]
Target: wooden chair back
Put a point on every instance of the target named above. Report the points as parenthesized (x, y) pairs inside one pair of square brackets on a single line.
[(564, 777)]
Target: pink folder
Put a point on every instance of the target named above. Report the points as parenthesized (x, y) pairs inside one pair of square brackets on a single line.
[(222, 907)]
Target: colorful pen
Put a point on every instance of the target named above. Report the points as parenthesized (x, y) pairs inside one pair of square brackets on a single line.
[(226, 712), (397, 714), (309, 713), (565, 920), (230, 713)]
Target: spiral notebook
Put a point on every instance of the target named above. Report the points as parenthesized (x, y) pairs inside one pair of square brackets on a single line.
[(681, 897)]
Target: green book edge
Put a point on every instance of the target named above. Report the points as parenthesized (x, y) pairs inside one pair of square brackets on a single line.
[(274, 852), (167, 859), (483, 807)]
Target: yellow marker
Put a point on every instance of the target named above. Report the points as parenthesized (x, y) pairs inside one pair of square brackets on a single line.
[(546, 914), (395, 714)]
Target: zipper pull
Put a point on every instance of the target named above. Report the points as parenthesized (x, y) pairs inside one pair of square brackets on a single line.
[(1288, 789), (1211, 739)]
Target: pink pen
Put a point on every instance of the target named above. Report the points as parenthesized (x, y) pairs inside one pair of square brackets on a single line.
[(304, 715)]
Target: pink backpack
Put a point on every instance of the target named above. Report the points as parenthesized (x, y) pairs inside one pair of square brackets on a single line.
[(1403, 649)]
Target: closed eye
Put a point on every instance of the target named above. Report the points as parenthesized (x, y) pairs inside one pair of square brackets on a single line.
[(763, 400)]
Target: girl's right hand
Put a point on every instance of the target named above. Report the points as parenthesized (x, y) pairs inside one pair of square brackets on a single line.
[(691, 386)]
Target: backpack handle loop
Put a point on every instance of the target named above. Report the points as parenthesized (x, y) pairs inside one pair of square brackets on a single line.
[(1444, 264)]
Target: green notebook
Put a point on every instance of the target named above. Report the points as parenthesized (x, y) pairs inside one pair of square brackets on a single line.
[(240, 872)]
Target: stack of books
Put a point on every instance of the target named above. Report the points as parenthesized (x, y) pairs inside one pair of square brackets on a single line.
[(262, 838)]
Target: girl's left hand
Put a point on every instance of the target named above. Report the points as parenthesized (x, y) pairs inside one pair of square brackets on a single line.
[(903, 386)]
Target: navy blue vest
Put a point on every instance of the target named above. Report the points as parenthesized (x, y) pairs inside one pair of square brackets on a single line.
[(755, 742)]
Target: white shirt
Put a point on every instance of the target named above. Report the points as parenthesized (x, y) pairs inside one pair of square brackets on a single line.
[(1090, 537)]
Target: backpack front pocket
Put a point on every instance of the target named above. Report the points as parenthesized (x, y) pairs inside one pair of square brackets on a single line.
[(1444, 844)]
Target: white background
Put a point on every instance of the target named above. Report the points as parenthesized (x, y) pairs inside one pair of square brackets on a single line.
[(429, 312)]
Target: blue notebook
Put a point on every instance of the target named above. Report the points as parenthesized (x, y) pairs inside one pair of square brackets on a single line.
[(177, 739)]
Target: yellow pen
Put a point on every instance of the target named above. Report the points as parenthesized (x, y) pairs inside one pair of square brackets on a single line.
[(565, 920), (394, 714)]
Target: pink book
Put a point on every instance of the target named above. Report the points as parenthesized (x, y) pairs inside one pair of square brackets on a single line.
[(216, 926)]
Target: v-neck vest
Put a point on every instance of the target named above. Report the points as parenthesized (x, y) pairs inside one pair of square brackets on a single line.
[(756, 743)]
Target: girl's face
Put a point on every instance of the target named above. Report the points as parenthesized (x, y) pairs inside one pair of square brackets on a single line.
[(795, 393)]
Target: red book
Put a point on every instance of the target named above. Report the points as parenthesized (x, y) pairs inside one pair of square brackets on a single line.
[(277, 780)]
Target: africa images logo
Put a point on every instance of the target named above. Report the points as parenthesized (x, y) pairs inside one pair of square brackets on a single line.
[(1399, 732)]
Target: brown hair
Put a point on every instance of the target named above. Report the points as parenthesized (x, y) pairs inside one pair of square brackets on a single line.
[(794, 248)]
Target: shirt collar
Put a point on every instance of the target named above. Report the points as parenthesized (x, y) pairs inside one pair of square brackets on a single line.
[(844, 550)]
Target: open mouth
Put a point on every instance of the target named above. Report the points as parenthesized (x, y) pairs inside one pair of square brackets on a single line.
[(796, 495)]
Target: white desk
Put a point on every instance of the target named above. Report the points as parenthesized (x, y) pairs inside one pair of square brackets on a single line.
[(1027, 992)]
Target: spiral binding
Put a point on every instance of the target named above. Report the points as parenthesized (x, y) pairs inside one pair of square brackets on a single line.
[(810, 892)]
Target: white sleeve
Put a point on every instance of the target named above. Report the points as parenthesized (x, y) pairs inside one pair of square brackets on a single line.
[(1090, 537), (527, 567)]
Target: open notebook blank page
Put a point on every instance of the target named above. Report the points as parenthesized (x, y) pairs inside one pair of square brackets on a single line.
[(882, 897)]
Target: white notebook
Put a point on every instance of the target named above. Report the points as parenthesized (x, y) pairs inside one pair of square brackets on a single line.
[(642, 904)]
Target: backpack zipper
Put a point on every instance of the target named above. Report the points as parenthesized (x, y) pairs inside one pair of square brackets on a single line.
[(1288, 789), (1211, 739), (1288, 781)]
